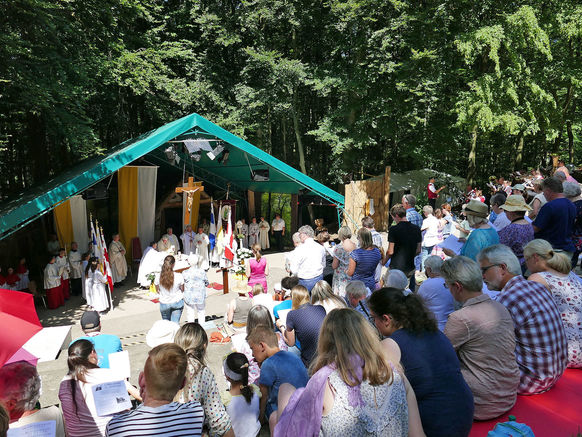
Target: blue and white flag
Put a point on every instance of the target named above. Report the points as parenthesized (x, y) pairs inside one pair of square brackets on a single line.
[(212, 232)]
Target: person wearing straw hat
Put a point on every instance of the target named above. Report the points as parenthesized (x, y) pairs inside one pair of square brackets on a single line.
[(519, 232), (483, 234)]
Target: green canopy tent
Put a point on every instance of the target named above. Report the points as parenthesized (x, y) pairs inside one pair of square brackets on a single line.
[(240, 164)]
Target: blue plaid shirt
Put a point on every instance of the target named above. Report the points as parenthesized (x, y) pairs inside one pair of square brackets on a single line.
[(414, 217)]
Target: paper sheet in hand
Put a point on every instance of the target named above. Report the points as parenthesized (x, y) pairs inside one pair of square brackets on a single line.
[(47, 428), (283, 316), (119, 363), (110, 398), (452, 243)]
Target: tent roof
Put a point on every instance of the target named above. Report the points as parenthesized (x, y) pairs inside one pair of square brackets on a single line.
[(236, 170)]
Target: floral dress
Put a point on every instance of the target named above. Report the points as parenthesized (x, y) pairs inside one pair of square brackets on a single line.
[(367, 410), (567, 294), (340, 275), (201, 387)]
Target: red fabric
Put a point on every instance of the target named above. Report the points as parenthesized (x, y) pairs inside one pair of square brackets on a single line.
[(557, 412), (21, 268), (65, 289), (2, 280), (12, 279), (54, 297), (431, 195), (18, 322)]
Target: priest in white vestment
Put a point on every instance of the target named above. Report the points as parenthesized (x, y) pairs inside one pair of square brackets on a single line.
[(173, 239), (253, 232), (164, 245), (150, 263), (201, 241), (188, 241), (117, 260), (264, 228)]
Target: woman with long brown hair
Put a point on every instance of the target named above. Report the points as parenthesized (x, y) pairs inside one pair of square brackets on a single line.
[(354, 388), (170, 286)]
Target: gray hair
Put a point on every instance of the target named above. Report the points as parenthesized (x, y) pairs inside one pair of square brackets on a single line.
[(20, 382), (501, 254), (427, 209), (571, 189), (356, 289), (474, 220), (307, 230), (463, 270), (410, 199), (434, 262), (368, 222), (344, 233), (395, 279), (560, 175), (296, 238)]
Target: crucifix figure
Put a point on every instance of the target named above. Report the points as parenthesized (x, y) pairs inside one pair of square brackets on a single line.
[(189, 190)]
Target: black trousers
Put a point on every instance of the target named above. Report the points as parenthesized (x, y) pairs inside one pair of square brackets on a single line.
[(432, 202), (278, 240)]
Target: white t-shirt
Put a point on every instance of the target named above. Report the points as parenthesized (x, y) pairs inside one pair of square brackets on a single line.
[(244, 416), (266, 300), (173, 295), (431, 225), (278, 225)]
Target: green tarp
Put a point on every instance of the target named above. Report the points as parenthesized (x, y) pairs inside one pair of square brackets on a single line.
[(236, 170)]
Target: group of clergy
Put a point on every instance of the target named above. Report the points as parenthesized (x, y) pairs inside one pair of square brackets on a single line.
[(258, 233)]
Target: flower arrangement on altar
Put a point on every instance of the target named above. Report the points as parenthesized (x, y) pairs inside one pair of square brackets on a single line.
[(243, 253), (152, 290)]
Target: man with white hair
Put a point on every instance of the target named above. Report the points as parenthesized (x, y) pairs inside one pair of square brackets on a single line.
[(356, 295), (20, 387), (173, 239), (296, 238), (309, 260), (482, 334), (188, 241), (434, 292), (541, 345)]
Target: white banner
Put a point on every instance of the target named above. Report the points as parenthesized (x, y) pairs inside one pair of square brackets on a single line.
[(146, 204), (79, 219)]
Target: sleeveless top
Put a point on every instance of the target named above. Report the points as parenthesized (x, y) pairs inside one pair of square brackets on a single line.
[(567, 294), (258, 268), (376, 411), (243, 306)]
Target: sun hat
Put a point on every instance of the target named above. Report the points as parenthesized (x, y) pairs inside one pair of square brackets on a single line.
[(476, 208), (162, 331), (515, 202), (519, 187)]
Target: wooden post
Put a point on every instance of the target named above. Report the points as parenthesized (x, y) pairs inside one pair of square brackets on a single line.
[(224, 281), (258, 205), (251, 197), (294, 213), (386, 200)]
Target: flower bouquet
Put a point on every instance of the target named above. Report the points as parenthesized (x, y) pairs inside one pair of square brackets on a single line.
[(152, 291)]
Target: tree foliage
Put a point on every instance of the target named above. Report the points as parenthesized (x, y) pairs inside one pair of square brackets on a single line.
[(335, 88)]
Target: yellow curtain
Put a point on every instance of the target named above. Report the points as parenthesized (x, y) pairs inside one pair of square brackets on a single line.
[(195, 210), (127, 188), (64, 224)]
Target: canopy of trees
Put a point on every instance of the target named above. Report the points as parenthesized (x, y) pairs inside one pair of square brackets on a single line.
[(334, 88)]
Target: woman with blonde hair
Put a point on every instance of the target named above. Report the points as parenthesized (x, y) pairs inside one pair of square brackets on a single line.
[(553, 270), (363, 261), (321, 294), (341, 261), (303, 323), (257, 269), (170, 286), (260, 297), (200, 382), (354, 390)]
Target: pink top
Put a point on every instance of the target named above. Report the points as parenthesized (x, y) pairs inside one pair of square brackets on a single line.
[(257, 268)]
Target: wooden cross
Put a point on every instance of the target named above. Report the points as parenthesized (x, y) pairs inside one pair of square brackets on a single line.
[(189, 190)]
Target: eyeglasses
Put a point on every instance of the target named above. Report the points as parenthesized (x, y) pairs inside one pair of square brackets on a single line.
[(484, 269)]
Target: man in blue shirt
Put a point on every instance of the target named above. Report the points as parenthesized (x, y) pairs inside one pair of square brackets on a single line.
[(105, 344), (555, 220), (409, 201)]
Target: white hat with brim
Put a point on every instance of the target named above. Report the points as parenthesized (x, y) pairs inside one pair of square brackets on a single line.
[(515, 202), (476, 208), (161, 332)]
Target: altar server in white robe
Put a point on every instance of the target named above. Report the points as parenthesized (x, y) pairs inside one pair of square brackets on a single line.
[(264, 228), (201, 241), (62, 264), (96, 291), (253, 232), (117, 260), (188, 241), (173, 239), (76, 269)]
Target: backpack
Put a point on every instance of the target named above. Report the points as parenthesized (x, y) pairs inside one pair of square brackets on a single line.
[(511, 429)]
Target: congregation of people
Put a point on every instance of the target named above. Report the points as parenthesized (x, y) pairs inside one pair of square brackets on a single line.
[(361, 336)]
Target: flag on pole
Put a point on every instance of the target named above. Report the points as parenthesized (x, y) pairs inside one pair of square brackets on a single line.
[(106, 266), (229, 237), (212, 232), (93, 239)]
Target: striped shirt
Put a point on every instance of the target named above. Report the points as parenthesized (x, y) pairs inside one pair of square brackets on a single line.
[(171, 420), (414, 217)]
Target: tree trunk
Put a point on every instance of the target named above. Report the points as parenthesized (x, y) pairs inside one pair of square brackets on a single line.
[(518, 152), (284, 128), (300, 149), (472, 168), (570, 142)]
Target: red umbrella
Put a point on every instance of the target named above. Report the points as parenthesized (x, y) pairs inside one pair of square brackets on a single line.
[(18, 322)]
